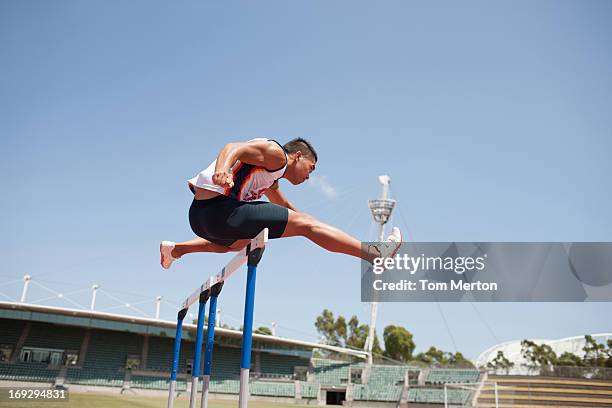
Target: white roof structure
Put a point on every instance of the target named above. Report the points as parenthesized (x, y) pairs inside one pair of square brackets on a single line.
[(512, 349)]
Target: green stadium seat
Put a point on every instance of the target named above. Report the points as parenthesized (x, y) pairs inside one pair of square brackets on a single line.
[(309, 389), (272, 389), (38, 372), (441, 376), (436, 396), (330, 372)]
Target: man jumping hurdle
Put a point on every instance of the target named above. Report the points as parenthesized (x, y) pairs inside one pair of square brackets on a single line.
[(225, 213)]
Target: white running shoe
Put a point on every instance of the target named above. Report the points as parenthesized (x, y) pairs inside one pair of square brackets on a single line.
[(165, 252), (389, 248)]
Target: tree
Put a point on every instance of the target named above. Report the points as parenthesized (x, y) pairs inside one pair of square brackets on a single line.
[(358, 333), (326, 326), (398, 343), (263, 330), (376, 350), (432, 356), (340, 327), (540, 356), (569, 359), (337, 332), (195, 321), (594, 353), (500, 362), (458, 360)]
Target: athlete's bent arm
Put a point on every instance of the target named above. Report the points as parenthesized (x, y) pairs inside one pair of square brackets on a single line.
[(275, 196), (259, 153)]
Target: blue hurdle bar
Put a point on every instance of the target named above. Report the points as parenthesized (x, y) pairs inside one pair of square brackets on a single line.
[(210, 341), (175, 358)]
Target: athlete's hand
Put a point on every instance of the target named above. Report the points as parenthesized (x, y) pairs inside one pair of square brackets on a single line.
[(224, 179)]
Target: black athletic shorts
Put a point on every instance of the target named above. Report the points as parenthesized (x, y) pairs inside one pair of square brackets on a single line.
[(223, 220)]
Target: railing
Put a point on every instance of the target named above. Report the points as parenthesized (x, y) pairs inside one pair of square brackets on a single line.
[(272, 376)]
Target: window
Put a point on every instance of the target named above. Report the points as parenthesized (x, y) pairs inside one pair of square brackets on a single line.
[(132, 362), (71, 359), (5, 353), (56, 358), (25, 356), (300, 373), (40, 355), (356, 375)]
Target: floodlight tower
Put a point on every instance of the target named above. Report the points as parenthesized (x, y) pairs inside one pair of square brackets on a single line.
[(94, 290), (158, 300), (26, 283), (381, 211)]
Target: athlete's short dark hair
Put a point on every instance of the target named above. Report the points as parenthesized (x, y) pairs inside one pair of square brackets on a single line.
[(302, 145)]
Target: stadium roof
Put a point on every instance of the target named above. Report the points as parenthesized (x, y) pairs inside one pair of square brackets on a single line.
[(512, 349), (165, 324)]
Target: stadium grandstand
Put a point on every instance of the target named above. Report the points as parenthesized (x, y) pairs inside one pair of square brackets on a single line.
[(97, 351), (92, 351)]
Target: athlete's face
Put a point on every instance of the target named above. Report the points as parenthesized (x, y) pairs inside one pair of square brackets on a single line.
[(302, 167)]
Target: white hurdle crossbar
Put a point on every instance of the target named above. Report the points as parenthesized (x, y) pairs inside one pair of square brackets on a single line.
[(210, 289), (232, 266)]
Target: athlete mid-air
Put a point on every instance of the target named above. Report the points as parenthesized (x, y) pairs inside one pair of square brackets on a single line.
[(225, 213)]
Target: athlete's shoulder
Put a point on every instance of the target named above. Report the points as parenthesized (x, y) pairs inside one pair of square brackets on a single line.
[(274, 154)]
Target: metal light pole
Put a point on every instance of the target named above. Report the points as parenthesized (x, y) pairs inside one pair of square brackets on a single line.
[(157, 306), (94, 290), (381, 211), (26, 283)]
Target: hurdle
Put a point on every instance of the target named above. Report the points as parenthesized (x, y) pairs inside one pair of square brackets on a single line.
[(210, 290)]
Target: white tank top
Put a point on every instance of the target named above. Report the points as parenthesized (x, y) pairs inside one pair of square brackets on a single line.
[(250, 181)]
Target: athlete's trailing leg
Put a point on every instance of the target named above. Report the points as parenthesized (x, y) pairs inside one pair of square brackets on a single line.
[(171, 251)]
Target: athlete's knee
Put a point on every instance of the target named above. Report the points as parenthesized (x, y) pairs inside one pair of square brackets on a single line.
[(238, 245), (305, 224)]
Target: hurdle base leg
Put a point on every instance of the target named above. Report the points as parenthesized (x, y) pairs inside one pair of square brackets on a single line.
[(171, 393), (193, 396), (243, 399), (205, 386)]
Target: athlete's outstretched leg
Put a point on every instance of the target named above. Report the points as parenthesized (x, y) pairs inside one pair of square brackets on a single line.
[(332, 238)]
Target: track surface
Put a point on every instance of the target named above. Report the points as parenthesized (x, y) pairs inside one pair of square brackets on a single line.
[(119, 401)]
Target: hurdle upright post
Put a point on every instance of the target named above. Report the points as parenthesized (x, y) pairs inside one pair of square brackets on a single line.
[(195, 369), (253, 258), (175, 359), (215, 290)]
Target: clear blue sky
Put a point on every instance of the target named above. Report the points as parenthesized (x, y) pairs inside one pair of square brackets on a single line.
[(492, 118)]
